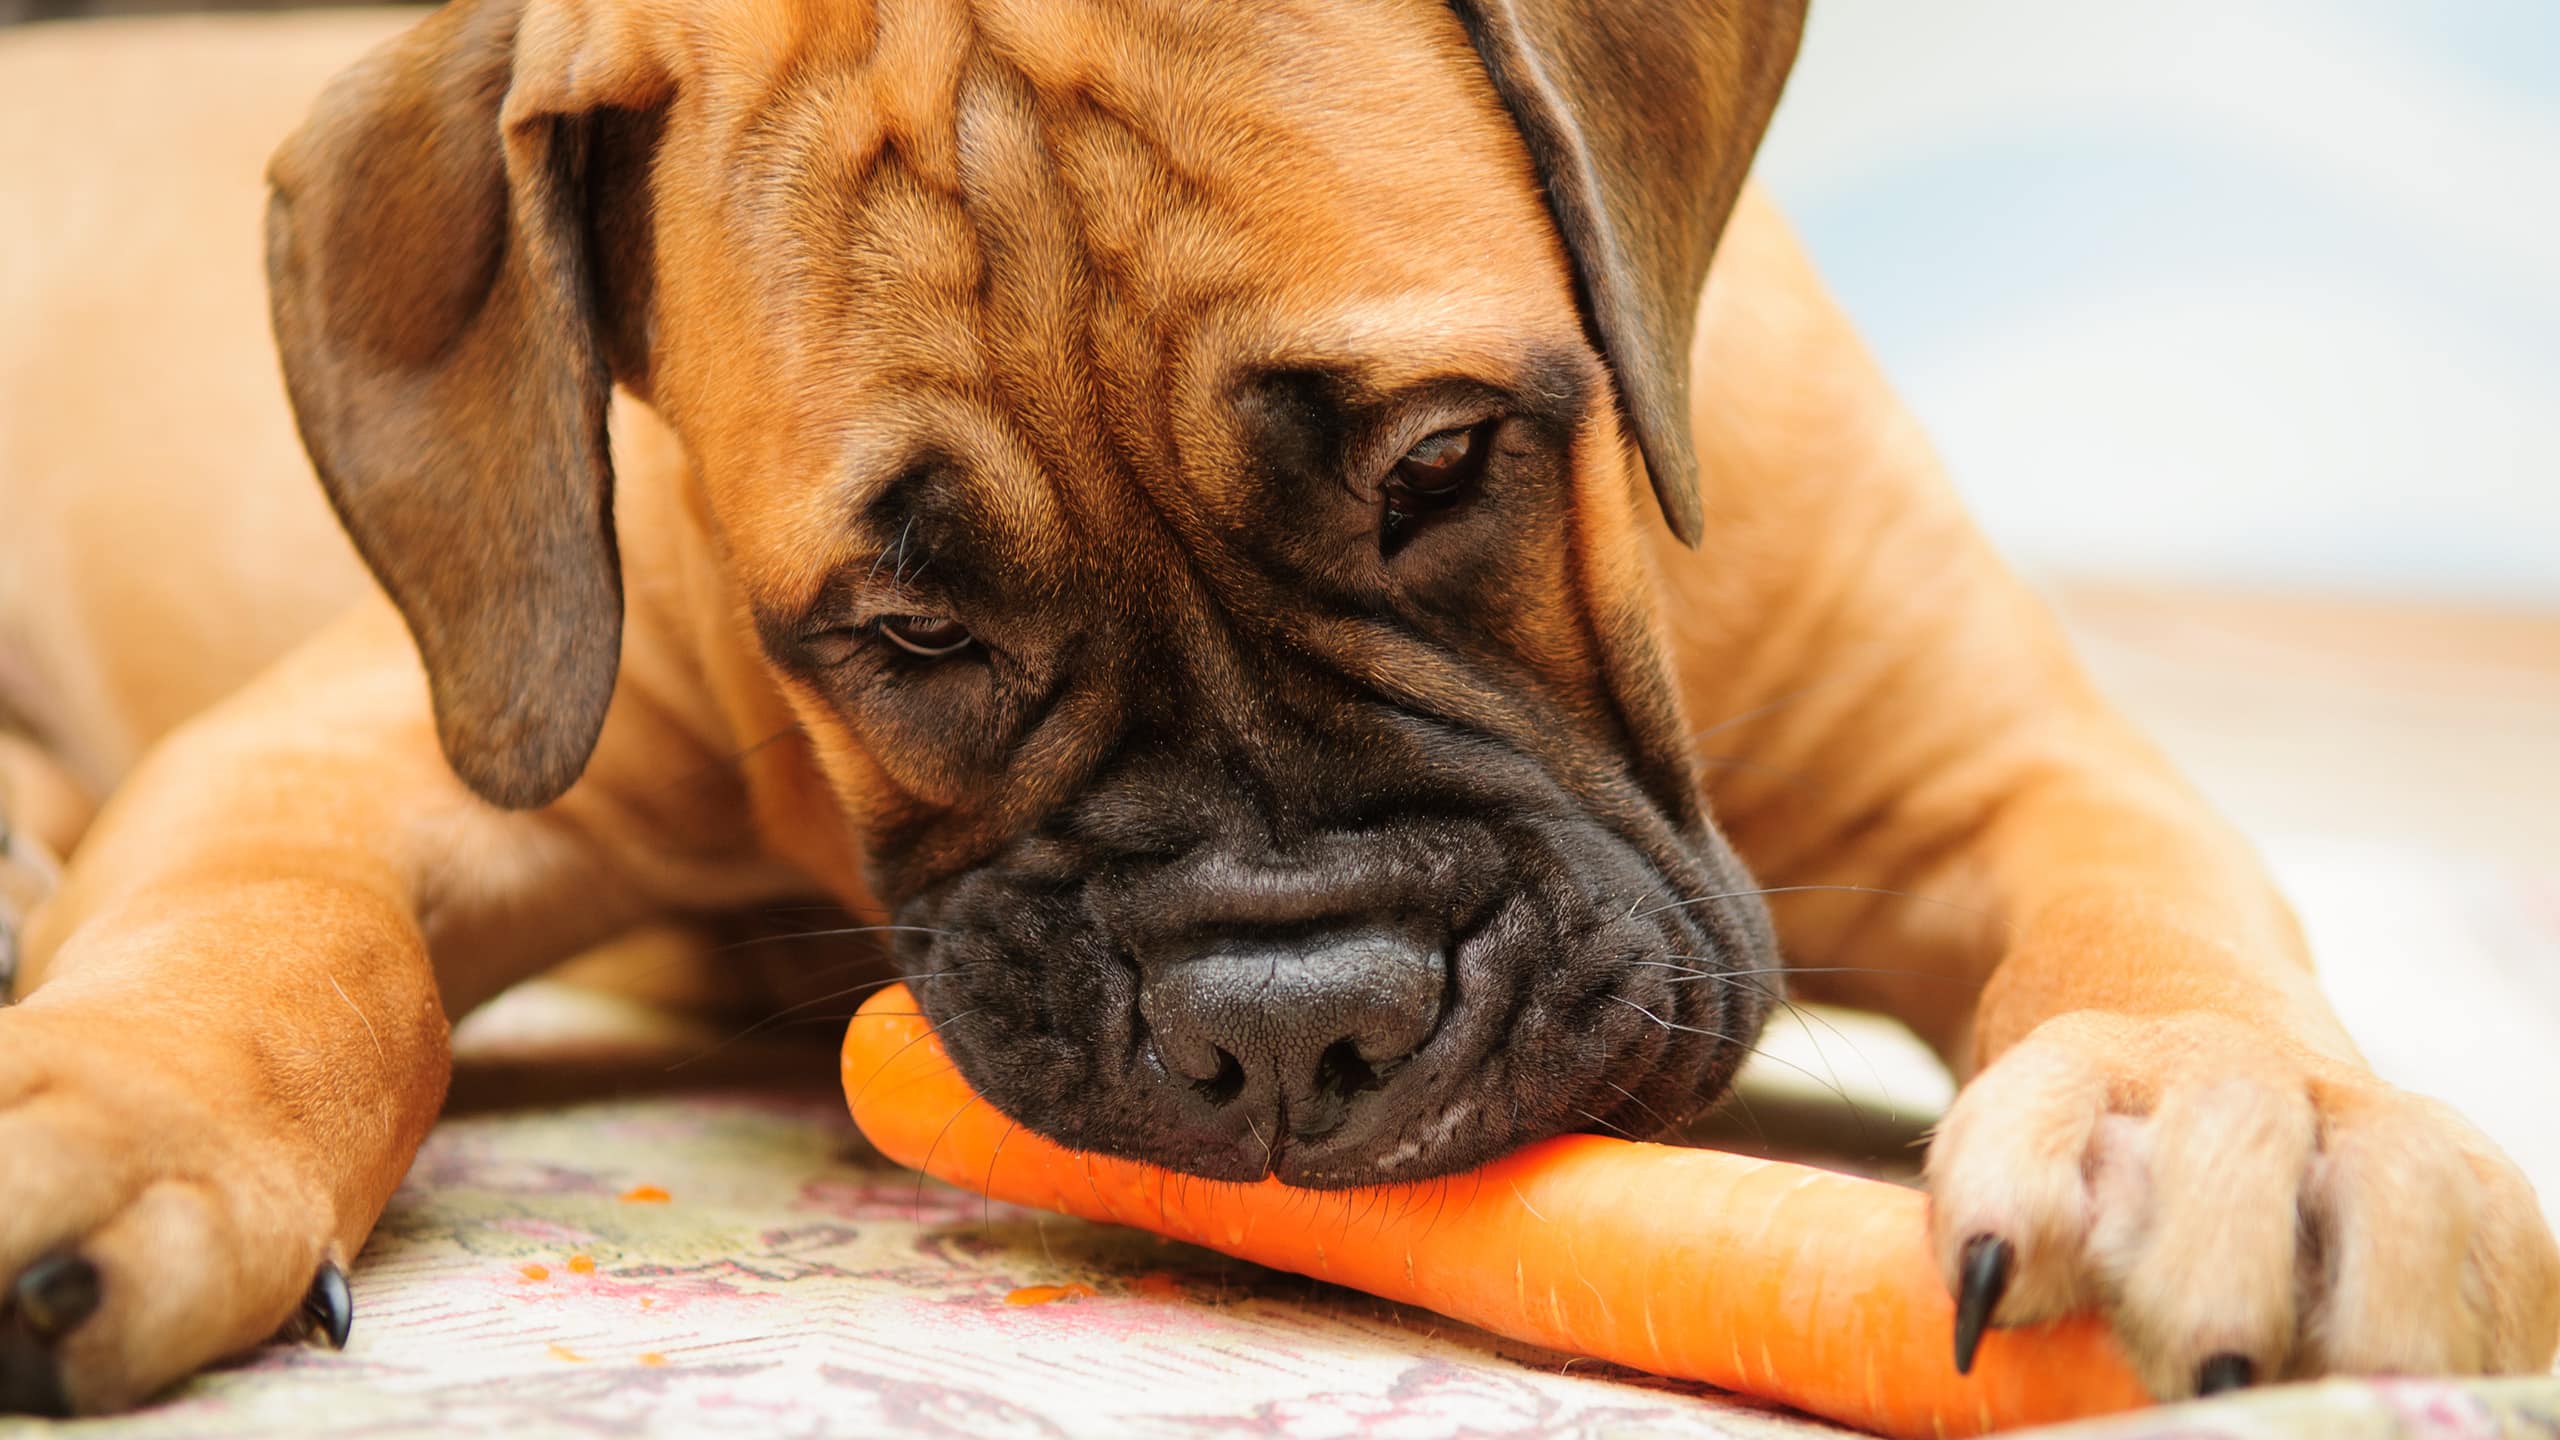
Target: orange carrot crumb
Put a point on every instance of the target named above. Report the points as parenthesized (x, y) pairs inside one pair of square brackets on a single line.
[(534, 1272), (1159, 1285), (582, 1265), (1048, 1294), (563, 1352), (648, 1303), (653, 1359), (645, 1195)]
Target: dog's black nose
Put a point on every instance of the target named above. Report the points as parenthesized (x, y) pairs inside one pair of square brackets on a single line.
[(1294, 1027)]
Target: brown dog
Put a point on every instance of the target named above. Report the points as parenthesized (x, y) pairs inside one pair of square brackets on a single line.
[(1152, 498)]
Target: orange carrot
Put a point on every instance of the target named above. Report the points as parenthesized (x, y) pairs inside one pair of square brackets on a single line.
[(1771, 1279)]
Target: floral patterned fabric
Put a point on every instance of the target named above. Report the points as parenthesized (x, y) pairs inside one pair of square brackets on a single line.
[(740, 1265), (529, 1279)]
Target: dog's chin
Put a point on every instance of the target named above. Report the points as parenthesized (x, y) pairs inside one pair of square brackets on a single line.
[(1579, 997)]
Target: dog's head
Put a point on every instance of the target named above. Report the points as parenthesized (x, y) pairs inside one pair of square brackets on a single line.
[(1181, 463)]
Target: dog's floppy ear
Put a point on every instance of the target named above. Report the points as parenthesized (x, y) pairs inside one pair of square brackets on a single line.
[(1641, 117), (433, 245)]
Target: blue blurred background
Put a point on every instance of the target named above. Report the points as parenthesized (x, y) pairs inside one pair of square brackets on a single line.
[(2260, 294)]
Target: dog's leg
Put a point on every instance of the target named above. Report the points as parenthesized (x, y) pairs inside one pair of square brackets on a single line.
[(2167, 1121), (232, 1036)]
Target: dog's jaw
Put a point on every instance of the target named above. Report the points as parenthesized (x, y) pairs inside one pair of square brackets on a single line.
[(1592, 985)]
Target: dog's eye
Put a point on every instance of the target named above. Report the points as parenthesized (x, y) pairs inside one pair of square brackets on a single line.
[(931, 636), (1442, 464), (1433, 476)]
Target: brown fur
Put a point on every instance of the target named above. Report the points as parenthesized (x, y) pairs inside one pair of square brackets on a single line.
[(233, 1031)]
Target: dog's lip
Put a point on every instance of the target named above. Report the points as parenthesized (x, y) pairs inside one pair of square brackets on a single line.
[(1404, 1131)]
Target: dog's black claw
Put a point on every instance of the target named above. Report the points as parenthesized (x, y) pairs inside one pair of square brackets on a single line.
[(328, 1308), (30, 1379), (55, 1294), (1984, 1277), (2225, 1372)]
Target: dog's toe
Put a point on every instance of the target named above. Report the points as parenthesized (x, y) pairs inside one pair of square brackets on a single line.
[(143, 1233), (2241, 1212), (2008, 1185), (2431, 1255), (2195, 1244)]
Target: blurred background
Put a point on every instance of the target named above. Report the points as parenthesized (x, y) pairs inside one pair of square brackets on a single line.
[(2255, 294)]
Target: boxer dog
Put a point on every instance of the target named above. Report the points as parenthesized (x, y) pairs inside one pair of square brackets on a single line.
[(1246, 532)]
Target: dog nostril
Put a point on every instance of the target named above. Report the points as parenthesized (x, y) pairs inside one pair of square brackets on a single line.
[(1226, 1085), (1340, 1070), (1342, 1076)]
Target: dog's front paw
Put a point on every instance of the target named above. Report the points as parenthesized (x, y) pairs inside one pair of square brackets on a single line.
[(152, 1218), (2239, 1210)]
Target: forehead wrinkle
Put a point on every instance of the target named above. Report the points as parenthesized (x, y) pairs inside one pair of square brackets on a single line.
[(879, 278), (1297, 116), (1036, 291), (1130, 299), (1224, 157), (849, 185), (732, 60), (863, 268), (921, 50), (1113, 322), (1080, 364)]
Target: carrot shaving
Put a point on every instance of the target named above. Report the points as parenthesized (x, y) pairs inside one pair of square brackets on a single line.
[(1048, 1294)]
